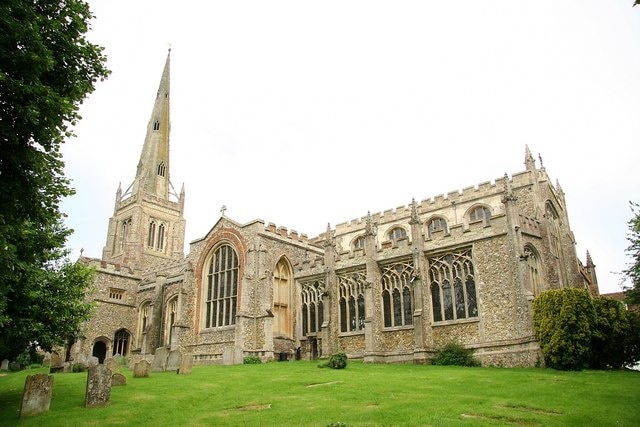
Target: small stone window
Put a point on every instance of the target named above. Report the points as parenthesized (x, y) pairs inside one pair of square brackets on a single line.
[(397, 233), (480, 213), (162, 169), (156, 125), (437, 224), (358, 243), (116, 294)]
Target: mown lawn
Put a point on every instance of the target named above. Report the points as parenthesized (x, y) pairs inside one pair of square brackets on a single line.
[(301, 394)]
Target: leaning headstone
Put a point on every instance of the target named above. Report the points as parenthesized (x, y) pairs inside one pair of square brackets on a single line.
[(173, 360), (160, 359), (141, 369), (4, 366), (36, 397), (118, 379), (186, 364), (112, 364), (98, 386)]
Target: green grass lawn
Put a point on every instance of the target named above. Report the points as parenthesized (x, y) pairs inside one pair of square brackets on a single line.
[(301, 394)]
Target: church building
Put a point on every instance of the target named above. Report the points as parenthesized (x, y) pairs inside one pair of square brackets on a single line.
[(387, 287)]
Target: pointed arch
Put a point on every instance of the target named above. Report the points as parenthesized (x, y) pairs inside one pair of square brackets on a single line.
[(171, 315), (282, 315), (121, 342), (144, 320), (533, 280)]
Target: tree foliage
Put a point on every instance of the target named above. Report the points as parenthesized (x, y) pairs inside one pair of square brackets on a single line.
[(609, 334), (562, 322), (576, 331), (47, 67), (632, 292)]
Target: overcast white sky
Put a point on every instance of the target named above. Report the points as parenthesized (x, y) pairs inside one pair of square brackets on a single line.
[(303, 113)]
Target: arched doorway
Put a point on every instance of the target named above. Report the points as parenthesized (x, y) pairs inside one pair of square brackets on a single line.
[(99, 351)]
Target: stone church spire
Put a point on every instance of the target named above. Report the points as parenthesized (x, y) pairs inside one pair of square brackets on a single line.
[(152, 174), (147, 226)]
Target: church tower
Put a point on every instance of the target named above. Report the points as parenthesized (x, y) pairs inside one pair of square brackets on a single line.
[(147, 226)]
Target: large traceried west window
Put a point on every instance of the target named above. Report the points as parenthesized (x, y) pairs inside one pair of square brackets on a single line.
[(312, 308), (397, 295), (351, 289), (282, 299), (453, 286), (221, 288)]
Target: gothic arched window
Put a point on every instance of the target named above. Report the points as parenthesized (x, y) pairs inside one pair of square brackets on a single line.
[(453, 286), (160, 240), (221, 285), (312, 308), (480, 213), (282, 299), (351, 291), (397, 295), (397, 233), (151, 238), (121, 342)]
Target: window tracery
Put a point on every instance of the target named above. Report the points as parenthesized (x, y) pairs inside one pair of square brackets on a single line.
[(397, 295), (221, 288), (453, 286), (351, 290), (312, 308)]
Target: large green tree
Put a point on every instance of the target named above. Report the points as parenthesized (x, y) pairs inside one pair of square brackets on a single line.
[(632, 273), (47, 68)]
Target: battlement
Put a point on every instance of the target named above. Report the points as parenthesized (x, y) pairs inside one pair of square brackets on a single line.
[(529, 226), (284, 232), (107, 266)]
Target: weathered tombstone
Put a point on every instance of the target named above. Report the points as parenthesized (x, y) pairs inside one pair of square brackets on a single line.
[(112, 364), (160, 359), (173, 360), (93, 361), (36, 397), (141, 369), (186, 364), (118, 379), (120, 360), (56, 364), (98, 386), (5, 365)]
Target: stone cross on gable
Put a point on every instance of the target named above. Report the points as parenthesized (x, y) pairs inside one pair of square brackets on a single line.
[(223, 209)]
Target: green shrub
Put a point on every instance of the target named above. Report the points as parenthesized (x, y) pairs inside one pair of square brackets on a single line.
[(455, 354), (78, 367), (562, 321), (252, 360), (15, 366), (338, 360)]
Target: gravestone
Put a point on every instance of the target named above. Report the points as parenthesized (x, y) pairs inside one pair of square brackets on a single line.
[(186, 364), (56, 364), (173, 360), (141, 369), (112, 364), (98, 386), (36, 397), (93, 361), (5, 365), (160, 359), (118, 379)]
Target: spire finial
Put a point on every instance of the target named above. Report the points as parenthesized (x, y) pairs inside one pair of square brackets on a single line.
[(223, 209), (529, 162)]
